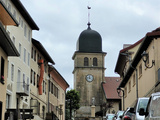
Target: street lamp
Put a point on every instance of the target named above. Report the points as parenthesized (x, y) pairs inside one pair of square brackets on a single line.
[(145, 58), (119, 90)]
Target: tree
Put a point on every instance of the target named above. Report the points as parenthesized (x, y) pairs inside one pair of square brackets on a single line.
[(72, 102)]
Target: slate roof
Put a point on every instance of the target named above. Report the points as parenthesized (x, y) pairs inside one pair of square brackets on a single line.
[(110, 87)]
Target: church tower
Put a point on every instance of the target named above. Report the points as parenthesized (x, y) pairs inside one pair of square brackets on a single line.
[(89, 71)]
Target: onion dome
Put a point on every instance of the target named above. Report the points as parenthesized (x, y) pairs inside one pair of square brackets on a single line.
[(89, 41)]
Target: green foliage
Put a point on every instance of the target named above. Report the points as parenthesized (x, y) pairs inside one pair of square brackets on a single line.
[(72, 102), (73, 99)]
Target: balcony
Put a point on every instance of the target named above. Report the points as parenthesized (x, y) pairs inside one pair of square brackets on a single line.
[(22, 89)]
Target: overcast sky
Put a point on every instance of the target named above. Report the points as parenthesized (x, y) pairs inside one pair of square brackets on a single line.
[(118, 22)]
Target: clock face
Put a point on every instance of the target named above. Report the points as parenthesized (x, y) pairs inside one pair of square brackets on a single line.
[(89, 78)]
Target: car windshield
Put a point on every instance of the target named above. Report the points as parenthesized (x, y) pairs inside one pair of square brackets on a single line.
[(155, 106), (120, 113), (143, 104), (110, 117)]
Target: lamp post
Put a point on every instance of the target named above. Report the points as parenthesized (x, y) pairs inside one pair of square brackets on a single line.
[(145, 58), (119, 90)]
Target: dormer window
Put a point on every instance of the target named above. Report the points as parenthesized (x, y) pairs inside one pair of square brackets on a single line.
[(85, 61)]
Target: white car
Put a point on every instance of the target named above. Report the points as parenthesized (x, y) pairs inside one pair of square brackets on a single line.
[(140, 103), (153, 108)]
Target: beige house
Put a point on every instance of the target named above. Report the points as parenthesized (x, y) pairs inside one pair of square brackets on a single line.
[(24, 79), (7, 49), (56, 96), (39, 80), (139, 78), (18, 77)]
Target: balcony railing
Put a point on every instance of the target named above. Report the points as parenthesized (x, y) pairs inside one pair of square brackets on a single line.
[(22, 89)]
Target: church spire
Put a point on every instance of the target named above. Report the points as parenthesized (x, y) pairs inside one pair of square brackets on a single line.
[(89, 16)]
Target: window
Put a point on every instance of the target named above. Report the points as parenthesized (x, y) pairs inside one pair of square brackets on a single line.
[(129, 86), (34, 80), (31, 76), (20, 50), (85, 61), (140, 70), (9, 7), (2, 66), (95, 61), (23, 80), (13, 39), (27, 83), (37, 80), (8, 69), (28, 59), (37, 58), (20, 22), (125, 91), (49, 86), (52, 88), (43, 111), (7, 101), (159, 75), (29, 35), (19, 76), (24, 57), (25, 30), (12, 72), (147, 63), (8, 33), (134, 79), (34, 55), (14, 13), (43, 85)]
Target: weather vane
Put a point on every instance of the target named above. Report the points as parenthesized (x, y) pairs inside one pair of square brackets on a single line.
[(89, 15)]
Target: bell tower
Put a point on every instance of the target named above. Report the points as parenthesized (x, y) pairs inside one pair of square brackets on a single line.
[(89, 71)]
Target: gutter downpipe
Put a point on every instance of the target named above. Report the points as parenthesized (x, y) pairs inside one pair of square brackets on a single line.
[(136, 81)]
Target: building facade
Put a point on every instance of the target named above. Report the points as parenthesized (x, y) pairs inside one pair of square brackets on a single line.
[(57, 92), (24, 79), (142, 78), (7, 49), (39, 80), (18, 78), (89, 71)]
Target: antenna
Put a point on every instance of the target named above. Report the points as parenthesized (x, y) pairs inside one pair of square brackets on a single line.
[(88, 15)]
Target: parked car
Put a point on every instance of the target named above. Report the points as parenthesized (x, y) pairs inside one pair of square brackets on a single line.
[(152, 111), (109, 116), (128, 113), (117, 115), (140, 103)]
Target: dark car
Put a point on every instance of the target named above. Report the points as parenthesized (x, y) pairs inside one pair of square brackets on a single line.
[(128, 113)]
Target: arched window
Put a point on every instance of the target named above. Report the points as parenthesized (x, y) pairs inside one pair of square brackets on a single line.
[(85, 61), (95, 61)]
